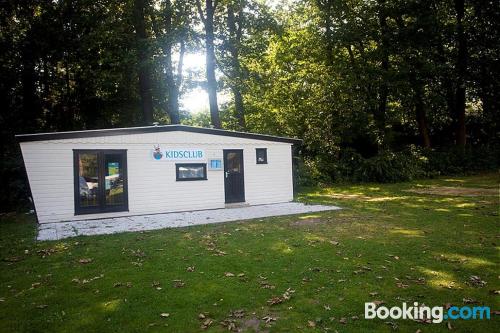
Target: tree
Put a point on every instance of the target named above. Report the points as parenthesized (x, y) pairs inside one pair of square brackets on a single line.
[(235, 22), (144, 60), (207, 17), (461, 68), (172, 28)]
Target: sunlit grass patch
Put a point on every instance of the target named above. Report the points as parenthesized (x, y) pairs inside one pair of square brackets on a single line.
[(408, 232)]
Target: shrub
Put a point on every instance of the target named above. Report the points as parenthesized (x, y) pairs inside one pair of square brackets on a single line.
[(411, 163)]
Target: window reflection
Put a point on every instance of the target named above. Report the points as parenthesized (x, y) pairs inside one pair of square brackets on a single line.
[(114, 179), (191, 171), (88, 180), (233, 163)]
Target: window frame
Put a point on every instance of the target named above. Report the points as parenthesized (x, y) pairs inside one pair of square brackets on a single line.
[(203, 165), (101, 207), (257, 150)]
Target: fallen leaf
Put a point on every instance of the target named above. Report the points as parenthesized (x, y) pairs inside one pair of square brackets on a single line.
[(268, 319), (311, 323), (343, 320), (85, 260), (164, 314), (42, 306), (206, 323), (469, 301), (238, 313), (265, 285), (448, 324), (229, 324), (373, 294), (228, 274), (178, 283), (476, 281), (190, 269), (275, 300)]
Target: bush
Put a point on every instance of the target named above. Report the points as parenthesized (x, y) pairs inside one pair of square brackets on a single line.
[(410, 163), (462, 160)]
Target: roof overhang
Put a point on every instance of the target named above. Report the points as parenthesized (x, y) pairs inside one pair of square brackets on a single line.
[(150, 129)]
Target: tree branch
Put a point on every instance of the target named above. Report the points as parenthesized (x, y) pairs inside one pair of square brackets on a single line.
[(200, 12)]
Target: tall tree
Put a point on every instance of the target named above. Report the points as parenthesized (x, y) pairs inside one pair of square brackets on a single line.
[(144, 60), (461, 68), (170, 30), (207, 17), (381, 110), (231, 46)]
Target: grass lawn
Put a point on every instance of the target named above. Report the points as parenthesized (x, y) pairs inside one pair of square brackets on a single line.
[(388, 245)]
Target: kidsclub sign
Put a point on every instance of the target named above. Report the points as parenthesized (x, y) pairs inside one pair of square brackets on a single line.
[(189, 154)]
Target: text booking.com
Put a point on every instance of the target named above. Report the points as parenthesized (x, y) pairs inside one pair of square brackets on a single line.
[(434, 314)]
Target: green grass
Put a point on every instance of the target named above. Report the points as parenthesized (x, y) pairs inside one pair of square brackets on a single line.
[(386, 236)]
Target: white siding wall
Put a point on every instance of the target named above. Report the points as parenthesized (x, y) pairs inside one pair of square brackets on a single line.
[(152, 187)]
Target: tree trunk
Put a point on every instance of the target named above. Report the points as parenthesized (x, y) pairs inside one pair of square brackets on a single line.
[(173, 95), (173, 84), (208, 21), (233, 46), (380, 114), (420, 113), (31, 106), (239, 107), (143, 61), (460, 130)]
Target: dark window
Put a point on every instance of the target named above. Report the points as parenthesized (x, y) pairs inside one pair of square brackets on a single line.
[(191, 171), (100, 181), (261, 155)]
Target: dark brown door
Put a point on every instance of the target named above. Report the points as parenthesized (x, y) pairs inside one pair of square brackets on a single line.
[(234, 180)]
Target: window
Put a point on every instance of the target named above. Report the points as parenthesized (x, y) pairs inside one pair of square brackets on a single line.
[(191, 171), (100, 181), (261, 155)]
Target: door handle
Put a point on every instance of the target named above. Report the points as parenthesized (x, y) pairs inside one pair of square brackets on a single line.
[(227, 173)]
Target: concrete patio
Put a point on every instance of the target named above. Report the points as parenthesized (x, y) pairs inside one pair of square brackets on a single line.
[(61, 230)]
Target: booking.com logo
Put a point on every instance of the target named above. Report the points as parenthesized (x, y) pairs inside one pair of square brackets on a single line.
[(435, 314)]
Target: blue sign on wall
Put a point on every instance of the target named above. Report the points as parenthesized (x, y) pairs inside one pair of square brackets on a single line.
[(215, 164), (190, 154)]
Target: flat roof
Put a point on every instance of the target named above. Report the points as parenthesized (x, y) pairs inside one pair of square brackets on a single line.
[(150, 129)]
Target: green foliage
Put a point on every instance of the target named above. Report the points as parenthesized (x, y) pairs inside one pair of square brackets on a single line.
[(459, 161), (408, 164)]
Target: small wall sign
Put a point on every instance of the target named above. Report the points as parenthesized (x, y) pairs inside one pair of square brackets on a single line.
[(215, 164), (188, 154)]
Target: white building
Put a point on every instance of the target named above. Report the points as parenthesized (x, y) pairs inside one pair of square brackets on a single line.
[(157, 169)]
